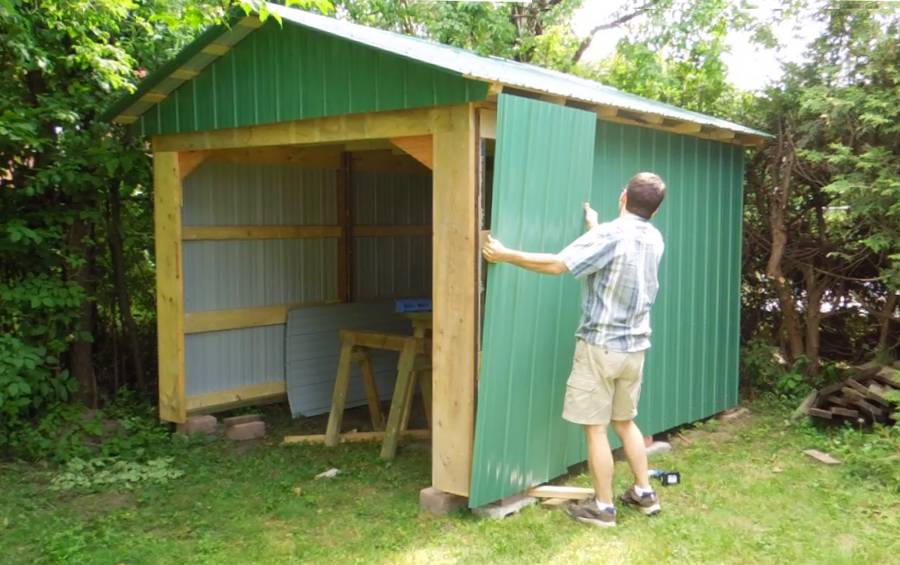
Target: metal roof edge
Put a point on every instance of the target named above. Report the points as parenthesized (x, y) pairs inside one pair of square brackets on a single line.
[(467, 63)]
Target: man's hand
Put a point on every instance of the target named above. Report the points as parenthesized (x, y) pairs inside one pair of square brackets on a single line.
[(493, 251), (591, 217)]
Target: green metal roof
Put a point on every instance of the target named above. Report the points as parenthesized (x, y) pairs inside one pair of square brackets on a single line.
[(218, 39)]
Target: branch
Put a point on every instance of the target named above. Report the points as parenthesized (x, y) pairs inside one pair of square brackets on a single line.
[(586, 42)]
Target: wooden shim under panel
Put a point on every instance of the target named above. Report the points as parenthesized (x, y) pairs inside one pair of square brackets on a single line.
[(169, 285), (554, 491), (354, 437), (454, 272), (418, 147), (220, 233)]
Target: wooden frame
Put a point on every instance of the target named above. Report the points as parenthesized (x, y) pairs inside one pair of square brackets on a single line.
[(452, 134)]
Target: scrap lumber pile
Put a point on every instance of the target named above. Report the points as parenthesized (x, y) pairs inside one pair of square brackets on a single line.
[(863, 398)]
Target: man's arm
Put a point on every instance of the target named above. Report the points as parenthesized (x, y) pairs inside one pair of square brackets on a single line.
[(545, 263)]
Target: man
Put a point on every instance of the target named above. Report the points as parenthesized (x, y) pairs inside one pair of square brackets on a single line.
[(618, 262)]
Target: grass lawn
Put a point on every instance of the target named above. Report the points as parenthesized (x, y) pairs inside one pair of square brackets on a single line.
[(748, 496)]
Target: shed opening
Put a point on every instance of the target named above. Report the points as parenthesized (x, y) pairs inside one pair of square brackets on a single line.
[(283, 247)]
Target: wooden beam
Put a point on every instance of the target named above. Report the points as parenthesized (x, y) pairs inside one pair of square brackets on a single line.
[(487, 123), (322, 157), (553, 99), (653, 119), (218, 233), (390, 231), (237, 318), (418, 147), (494, 91), (607, 111), (554, 491), (378, 340), (621, 119), (722, 134), (189, 161), (686, 127), (455, 295), (385, 161), (234, 397), (169, 285), (354, 437), (332, 129)]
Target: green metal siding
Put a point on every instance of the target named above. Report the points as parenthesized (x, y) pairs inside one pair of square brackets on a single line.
[(692, 369), (289, 73), (542, 174)]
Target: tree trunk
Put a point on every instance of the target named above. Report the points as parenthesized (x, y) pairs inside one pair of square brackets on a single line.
[(815, 290), (887, 316), (81, 352), (790, 320), (114, 236)]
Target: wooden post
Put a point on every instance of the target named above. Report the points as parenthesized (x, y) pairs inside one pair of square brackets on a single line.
[(454, 298), (339, 396), (169, 285), (345, 221)]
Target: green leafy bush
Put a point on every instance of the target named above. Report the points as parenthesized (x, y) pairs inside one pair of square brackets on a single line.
[(101, 472)]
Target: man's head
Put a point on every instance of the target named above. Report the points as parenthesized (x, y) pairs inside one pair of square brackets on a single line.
[(643, 194)]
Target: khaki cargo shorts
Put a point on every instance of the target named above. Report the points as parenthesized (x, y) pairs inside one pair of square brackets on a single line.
[(603, 385)]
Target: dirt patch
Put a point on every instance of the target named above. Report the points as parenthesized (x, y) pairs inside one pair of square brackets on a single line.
[(92, 505)]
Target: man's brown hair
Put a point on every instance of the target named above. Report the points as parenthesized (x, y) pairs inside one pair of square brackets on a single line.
[(646, 192)]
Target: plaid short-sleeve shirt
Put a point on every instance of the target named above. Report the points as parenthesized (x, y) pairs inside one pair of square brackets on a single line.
[(618, 262)]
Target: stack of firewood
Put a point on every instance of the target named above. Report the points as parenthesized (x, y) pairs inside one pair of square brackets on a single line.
[(863, 398)]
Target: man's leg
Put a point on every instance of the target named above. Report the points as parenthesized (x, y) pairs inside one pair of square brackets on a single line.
[(635, 451), (600, 462)]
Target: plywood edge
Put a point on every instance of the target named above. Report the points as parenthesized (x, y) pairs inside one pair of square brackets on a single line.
[(220, 400), (556, 491)]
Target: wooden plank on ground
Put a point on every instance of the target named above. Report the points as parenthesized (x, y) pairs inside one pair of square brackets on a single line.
[(455, 279), (819, 413), (354, 437), (556, 491), (169, 285)]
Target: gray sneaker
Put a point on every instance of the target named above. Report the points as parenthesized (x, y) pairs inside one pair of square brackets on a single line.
[(589, 512), (647, 503)]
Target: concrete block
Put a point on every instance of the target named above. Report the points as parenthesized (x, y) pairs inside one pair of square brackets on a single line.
[(198, 425), (235, 420), (504, 507), (658, 448), (440, 503), (247, 430)]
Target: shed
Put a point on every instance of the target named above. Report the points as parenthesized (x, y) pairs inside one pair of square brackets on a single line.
[(317, 162)]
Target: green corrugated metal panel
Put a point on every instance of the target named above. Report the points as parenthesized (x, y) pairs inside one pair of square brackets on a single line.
[(289, 73), (542, 174), (692, 369)]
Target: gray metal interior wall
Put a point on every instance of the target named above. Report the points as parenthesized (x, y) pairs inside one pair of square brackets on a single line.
[(223, 194), (389, 267), (240, 274), (234, 358), (245, 273)]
